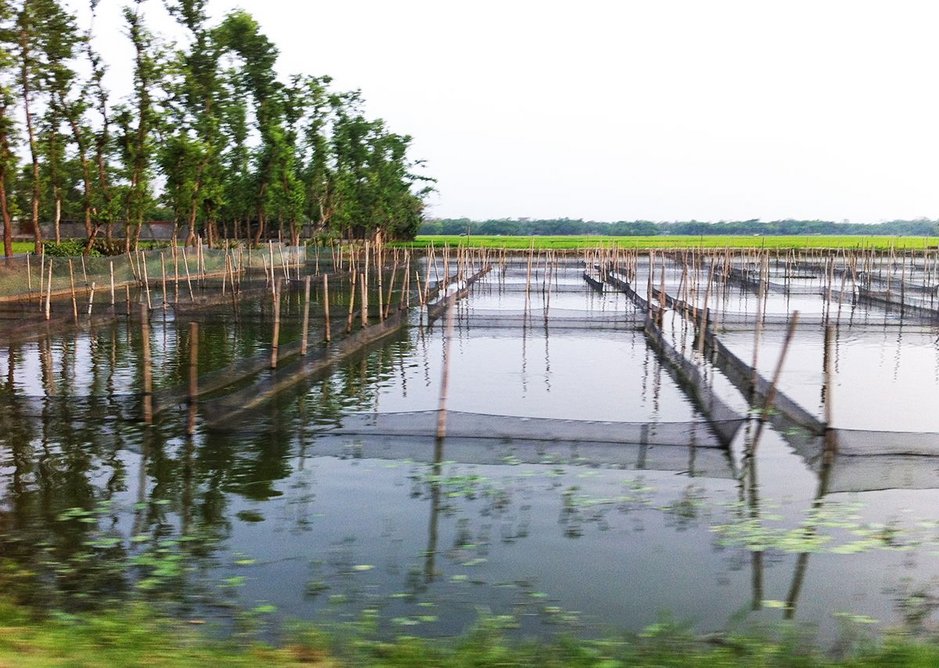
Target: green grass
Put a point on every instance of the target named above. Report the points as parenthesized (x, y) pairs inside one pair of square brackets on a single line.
[(657, 242), (137, 635), (23, 247)]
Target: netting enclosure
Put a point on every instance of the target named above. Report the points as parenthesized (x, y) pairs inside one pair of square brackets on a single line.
[(611, 413)]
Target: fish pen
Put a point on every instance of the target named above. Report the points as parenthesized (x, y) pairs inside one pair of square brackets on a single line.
[(273, 437)]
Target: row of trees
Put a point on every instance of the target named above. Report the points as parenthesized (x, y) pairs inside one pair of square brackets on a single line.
[(567, 226), (208, 132)]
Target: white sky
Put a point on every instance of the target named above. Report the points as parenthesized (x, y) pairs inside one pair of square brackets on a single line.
[(624, 110)]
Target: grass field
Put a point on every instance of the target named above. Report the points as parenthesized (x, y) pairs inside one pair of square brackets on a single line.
[(847, 242), (574, 242)]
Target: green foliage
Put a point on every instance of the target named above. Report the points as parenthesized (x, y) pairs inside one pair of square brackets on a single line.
[(239, 150), (66, 248), (582, 241), (644, 228)]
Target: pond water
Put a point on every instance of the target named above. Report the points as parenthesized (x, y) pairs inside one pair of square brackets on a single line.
[(303, 509)]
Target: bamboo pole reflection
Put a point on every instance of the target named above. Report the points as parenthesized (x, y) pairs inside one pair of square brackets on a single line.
[(430, 557), (811, 528)]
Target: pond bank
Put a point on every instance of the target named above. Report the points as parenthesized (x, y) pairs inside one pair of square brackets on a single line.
[(140, 635)]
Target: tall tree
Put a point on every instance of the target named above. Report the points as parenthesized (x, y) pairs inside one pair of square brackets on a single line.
[(8, 162), (103, 203), (241, 34), (137, 123), (45, 40), (191, 159), (58, 79), (30, 34)]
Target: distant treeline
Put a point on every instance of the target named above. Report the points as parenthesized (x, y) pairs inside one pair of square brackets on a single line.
[(641, 228)]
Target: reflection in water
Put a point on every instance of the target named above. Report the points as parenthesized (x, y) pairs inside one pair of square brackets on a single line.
[(811, 528)]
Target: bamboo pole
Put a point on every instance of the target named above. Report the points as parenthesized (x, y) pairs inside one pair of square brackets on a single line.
[(306, 316), (163, 270), (146, 281), (91, 298), (49, 292), (71, 280), (327, 334), (275, 338), (771, 394), (828, 372), (225, 274), (363, 278), (193, 376), (703, 320), (445, 374), (175, 273), (379, 267), (757, 333), (42, 273), (391, 287), (270, 246), (406, 288), (531, 251), (147, 365), (351, 302), (192, 296), (112, 282)]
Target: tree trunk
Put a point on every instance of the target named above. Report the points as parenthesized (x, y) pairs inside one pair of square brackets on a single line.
[(58, 217), (90, 230), (260, 231), (191, 234), (7, 222)]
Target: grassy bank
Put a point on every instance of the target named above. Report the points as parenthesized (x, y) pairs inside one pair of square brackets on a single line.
[(574, 242), (137, 635)]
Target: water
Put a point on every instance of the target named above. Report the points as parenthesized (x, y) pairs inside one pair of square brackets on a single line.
[(284, 513)]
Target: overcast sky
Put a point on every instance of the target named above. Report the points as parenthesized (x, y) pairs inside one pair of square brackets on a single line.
[(622, 110)]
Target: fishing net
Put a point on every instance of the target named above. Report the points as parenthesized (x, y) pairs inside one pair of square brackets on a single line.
[(496, 439)]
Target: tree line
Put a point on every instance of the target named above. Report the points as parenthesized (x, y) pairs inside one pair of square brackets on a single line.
[(567, 226), (209, 135)]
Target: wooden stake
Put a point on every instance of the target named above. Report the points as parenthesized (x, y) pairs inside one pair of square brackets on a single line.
[(91, 298)]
